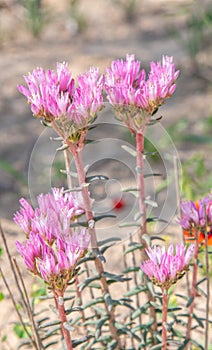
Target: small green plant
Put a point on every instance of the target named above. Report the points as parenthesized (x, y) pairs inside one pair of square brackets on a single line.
[(36, 17)]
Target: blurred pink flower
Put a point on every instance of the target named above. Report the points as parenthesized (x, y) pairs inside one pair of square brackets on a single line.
[(164, 268), (196, 214)]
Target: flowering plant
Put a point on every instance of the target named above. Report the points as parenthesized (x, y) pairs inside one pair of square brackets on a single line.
[(62, 247)]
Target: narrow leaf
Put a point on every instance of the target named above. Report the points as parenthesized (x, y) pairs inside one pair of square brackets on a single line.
[(129, 150)]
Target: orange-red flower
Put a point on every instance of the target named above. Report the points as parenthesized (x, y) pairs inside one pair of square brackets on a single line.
[(191, 236)]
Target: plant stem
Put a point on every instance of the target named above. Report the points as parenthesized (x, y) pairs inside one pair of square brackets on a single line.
[(62, 314), (94, 245), (193, 292), (140, 178), (164, 317), (29, 310), (142, 209)]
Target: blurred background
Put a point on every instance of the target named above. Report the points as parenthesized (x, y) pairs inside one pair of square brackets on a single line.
[(84, 33)]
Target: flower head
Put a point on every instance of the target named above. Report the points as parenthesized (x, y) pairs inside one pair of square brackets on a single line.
[(54, 97), (52, 250), (164, 268), (49, 93), (196, 219), (131, 93), (52, 218)]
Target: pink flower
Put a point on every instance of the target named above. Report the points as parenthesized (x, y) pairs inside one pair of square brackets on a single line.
[(165, 267), (52, 250), (49, 93), (53, 96), (196, 214), (54, 264), (52, 218), (87, 98), (131, 93)]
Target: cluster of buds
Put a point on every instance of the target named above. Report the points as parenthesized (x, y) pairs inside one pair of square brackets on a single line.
[(163, 267), (52, 250), (134, 96), (196, 219)]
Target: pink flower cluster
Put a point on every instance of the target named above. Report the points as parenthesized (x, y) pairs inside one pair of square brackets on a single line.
[(164, 268), (53, 95), (126, 84), (196, 214), (51, 249)]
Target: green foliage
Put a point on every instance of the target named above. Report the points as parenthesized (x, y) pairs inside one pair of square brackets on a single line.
[(1, 251), (1, 296), (36, 17), (20, 331), (9, 169), (198, 28)]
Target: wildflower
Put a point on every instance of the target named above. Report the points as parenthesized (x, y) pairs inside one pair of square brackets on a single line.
[(196, 219), (133, 95), (54, 97), (51, 250), (164, 268), (49, 93), (52, 218), (55, 264)]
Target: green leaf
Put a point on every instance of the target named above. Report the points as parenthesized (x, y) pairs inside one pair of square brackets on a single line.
[(182, 347), (129, 150), (136, 290), (155, 219), (108, 301), (93, 302), (51, 343), (108, 240), (133, 246), (20, 331), (114, 277), (190, 300), (50, 324), (99, 326), (77, 342), (197, 344), (131, 269), (198, 320), (136, 314), (130, 224), (1, 296), (201, 281), (1, 251), (153, 174), (24, 342), (88, 281), (105, 216), (157, 347), (90, 179)]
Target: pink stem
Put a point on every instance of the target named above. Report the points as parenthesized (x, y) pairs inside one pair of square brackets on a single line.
[(63, 319), (90, 219), (142, 209), (140, 177), (164, 318)]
